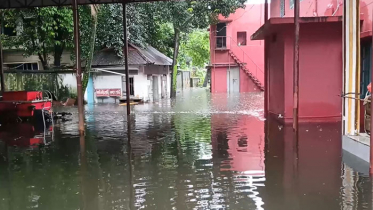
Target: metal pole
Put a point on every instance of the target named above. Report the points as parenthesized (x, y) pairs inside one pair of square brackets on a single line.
[(2, 81), (125, 55), (296, 68), (78, 66), (266, 70)]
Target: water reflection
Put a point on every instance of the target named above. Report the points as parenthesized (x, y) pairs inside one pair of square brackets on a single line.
[(307, 175), (197, 152)]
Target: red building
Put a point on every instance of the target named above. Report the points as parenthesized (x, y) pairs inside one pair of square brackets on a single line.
[(237, 62)]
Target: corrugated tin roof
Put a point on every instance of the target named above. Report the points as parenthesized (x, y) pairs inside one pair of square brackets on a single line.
[(136, 56), (154, 56)]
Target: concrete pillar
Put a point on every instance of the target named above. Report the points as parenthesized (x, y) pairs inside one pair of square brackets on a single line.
[(351, 50)]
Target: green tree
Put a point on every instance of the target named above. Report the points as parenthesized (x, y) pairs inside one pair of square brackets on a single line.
[(40, 31), (110, 25), (190, 14), (195, 48)]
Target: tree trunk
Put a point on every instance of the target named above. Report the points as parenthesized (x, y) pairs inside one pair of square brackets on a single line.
[(43, 61), (88, 66), (58, 50), (174, 62)]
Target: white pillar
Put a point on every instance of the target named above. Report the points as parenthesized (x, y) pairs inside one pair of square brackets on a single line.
[(351, 49)]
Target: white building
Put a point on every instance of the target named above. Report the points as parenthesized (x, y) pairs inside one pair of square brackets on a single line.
[(149, 75)]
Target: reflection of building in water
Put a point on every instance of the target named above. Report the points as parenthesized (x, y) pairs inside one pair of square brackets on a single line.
[(238, 150), (303, 175)]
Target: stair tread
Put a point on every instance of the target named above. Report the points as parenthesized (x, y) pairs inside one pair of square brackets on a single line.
[(242, 65)]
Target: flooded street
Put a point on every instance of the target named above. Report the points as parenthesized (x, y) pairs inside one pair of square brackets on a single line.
[(200, 151)]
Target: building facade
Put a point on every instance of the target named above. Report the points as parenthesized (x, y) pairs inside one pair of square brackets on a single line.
[(149, 76), (237, 62), (335, 59)]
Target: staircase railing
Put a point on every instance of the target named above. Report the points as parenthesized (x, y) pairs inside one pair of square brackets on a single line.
[(228, 43)]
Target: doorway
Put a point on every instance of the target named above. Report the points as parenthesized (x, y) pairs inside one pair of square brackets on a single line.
[(132, 87), (233, 80)]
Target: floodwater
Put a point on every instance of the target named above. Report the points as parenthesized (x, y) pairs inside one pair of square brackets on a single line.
[(200, 151)]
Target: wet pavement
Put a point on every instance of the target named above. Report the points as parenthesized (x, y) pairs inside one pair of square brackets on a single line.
[(200, 151)]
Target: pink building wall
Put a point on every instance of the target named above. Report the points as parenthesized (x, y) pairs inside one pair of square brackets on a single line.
[(312, 8), (320, 76), (243, 20), (321, 71)]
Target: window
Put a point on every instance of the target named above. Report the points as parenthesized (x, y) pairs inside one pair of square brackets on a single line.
[(221, 35), (23, 66), (241, 38), (9, 31)]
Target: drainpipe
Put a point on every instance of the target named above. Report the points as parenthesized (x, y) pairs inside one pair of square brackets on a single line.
[(266, 70), (296, 69), (125, 54), (78, 66)]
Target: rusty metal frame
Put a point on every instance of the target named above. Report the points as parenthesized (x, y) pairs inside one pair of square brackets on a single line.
[(125, 56)]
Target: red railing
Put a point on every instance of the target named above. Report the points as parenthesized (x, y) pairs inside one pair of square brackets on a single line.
[(228, 43)]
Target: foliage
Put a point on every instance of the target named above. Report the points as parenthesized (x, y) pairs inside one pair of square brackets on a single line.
[(110, 25), (40, 31), (38, 82), (201, 74), (164, 25), (162, 38), (195, 49), (190, 14)]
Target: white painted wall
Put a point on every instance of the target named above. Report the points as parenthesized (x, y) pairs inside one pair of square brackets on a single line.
[(69, 80), (141, 84), (107, 82)]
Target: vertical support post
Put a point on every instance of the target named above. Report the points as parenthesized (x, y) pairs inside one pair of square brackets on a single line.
[(296, 68), (2, 81), (266, 70), (125, 55), (78, 66)]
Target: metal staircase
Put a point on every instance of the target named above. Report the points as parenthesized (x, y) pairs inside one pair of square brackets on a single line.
[(246, 70)]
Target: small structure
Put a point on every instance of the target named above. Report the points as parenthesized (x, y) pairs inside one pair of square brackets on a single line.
[(149, 78), (237, 63), (194, 81), (183, 79), (320, 80)]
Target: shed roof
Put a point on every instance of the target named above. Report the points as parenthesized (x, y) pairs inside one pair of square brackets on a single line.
[(136, 56), (5, 4)]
